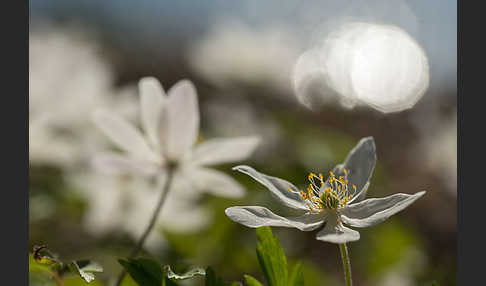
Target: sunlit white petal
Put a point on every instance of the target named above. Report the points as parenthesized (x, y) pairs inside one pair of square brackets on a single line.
[(359, 163), (255, 216), (278, 187), (361, 194), (373, 211), (336, 232)]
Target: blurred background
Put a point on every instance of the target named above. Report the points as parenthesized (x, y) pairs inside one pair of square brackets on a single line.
[(241, 56)]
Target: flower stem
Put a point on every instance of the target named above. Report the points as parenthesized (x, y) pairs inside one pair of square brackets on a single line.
[(141, 241), (346, 264)]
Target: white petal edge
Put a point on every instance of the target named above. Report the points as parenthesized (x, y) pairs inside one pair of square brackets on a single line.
[(361, 195), (224, 150), (371, 212), (183, 119), (215, 182), (256, 216), (123, 134), (116, 164), (360, 163), (336, 232), (277, 187), (152, 99)]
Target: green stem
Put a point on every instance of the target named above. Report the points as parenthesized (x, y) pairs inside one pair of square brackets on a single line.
[(141, 241), (346, 264)]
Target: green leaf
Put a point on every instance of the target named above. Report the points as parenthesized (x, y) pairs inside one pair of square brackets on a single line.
[(43, 261), (187, 275), (271, 257), (250, 281), (39, 268), (144, 271), (85, 269), (297, 276)]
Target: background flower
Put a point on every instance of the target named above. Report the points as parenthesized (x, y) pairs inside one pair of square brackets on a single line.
[(68, 78), (171, 126)]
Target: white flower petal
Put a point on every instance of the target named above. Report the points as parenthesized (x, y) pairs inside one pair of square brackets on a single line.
[(115, 164), (183, 117), (152, 99), (373, 211), (224, 150), (278, 187), (123, 134), (336, 232), (216, 183), (361, 194), (256, 216), (359, 163)]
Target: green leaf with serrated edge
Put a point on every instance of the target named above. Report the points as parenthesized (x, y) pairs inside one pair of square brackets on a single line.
[(271, 257), (187, 275), (250, 281), (85, 269), (144, 271), (297, 276)]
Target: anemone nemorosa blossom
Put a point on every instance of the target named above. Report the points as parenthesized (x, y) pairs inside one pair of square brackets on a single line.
[(330, 202), (171, 126)]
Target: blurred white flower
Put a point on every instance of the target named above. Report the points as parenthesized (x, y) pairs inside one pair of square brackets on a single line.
[(380, 66), (67, 80), (331, 202), (233, 52), (126, 203), (171, 126)]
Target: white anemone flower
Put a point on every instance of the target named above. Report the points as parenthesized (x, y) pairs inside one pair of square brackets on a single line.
[(171, 126), (331, 202)]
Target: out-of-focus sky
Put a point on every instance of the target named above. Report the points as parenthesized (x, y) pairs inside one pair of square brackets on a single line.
[(147, 26)]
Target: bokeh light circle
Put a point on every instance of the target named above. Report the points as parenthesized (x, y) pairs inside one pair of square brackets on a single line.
[(380, 66)]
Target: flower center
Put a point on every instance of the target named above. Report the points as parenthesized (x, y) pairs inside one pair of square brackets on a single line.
[(331, 195)]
